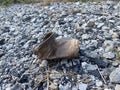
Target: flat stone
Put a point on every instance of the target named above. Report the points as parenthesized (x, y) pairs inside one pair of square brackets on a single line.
[(82, 86), (105, 28), (33, 20), (108, 49), (117, 87), (10, 46), (112, 21), (85, 36), (109, 55), (91, 67), (115, 76), (100, 25)]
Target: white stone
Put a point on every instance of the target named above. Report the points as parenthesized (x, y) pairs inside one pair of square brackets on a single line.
[(84, 64), (91, 67), (99, 83), (117, 87), (82, 86), (85, 36)]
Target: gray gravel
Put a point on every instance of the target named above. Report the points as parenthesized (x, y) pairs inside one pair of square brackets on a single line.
[(95, 24), (115, 76)]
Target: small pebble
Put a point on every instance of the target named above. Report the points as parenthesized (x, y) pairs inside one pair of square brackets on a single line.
[(115, 63), (99, 83), (53, 87), (85, 36), (44, 63)]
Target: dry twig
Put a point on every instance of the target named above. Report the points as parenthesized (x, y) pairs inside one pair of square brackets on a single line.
[(101, 74), (48, 78)]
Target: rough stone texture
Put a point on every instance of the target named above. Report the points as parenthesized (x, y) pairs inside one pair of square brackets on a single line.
[(115, 76), (117, 87), (95, 24)]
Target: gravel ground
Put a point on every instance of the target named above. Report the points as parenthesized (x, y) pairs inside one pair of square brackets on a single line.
[(95, 24)]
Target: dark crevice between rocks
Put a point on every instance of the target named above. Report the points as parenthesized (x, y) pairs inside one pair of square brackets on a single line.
[(41, 85), (1, 54), (95, 73), (24, 79), (6, 29), (2, 41)]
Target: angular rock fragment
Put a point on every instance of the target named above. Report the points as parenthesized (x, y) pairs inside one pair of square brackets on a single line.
[(115, 76)]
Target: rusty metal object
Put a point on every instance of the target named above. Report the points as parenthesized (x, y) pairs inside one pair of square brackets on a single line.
[(52, 48)]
